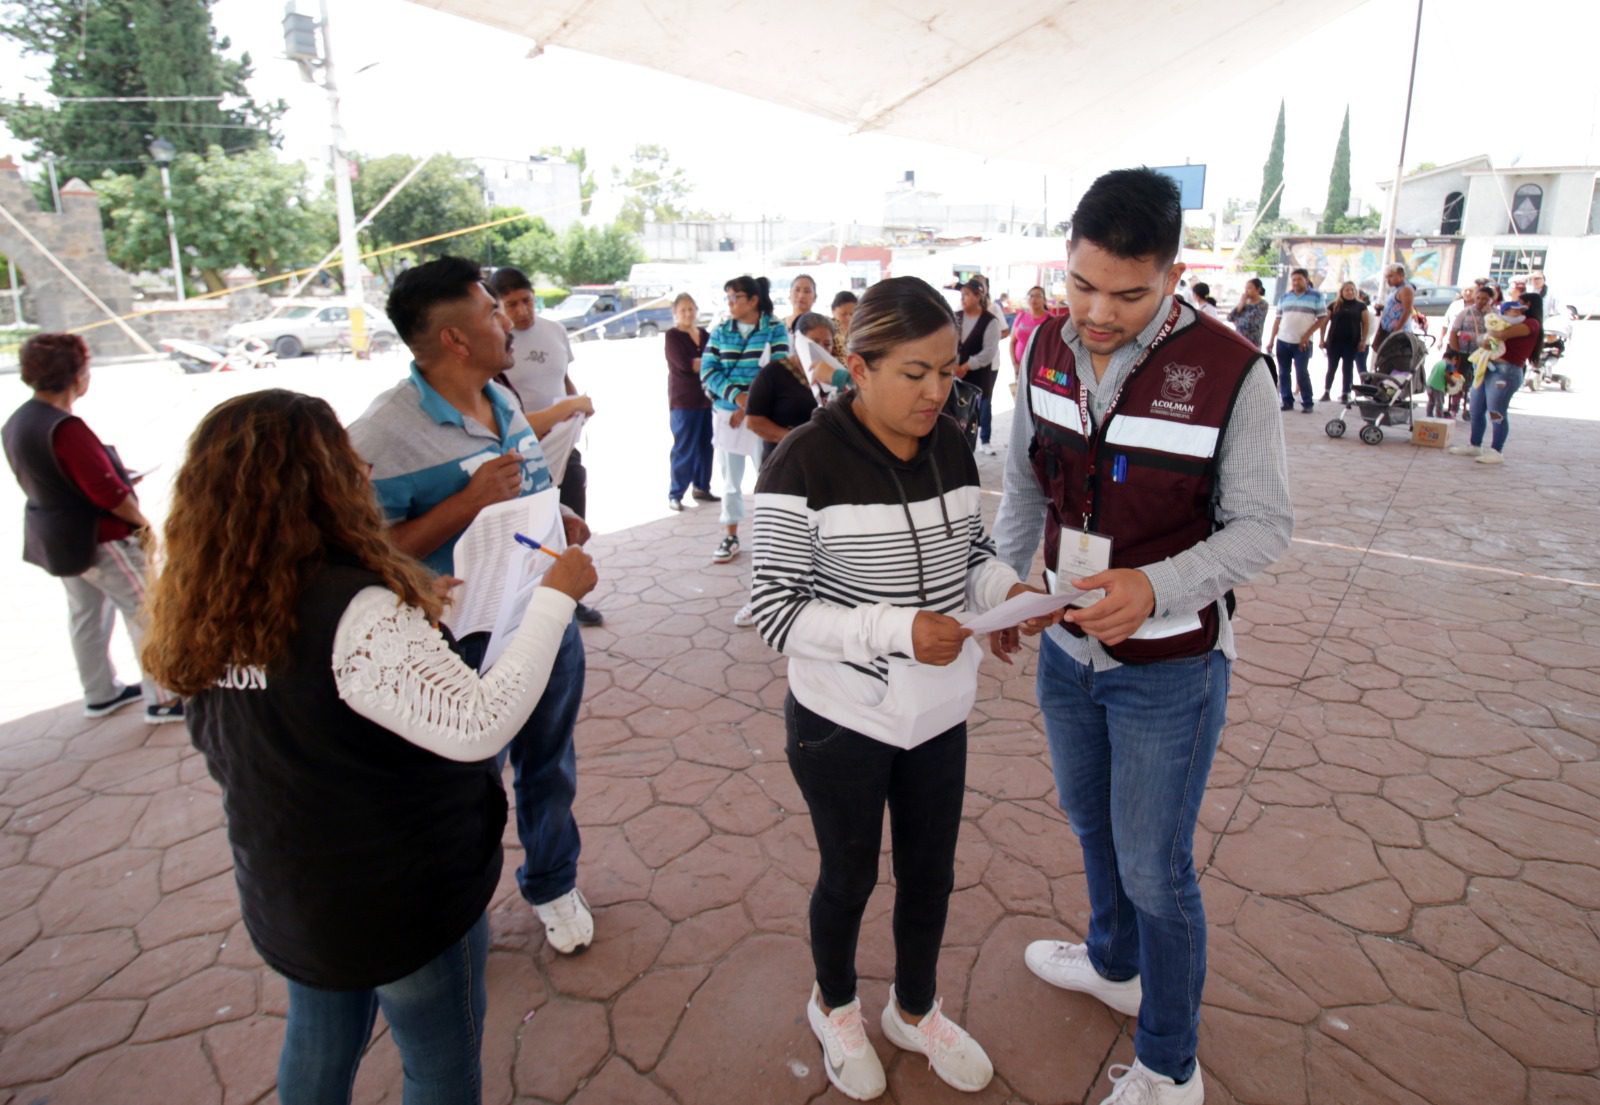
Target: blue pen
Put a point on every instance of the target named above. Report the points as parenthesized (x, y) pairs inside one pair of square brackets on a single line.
[(1119, 469), (525, 540)]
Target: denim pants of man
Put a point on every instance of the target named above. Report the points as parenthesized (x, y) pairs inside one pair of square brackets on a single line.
[(691, 452), (1131, 748), (1491, 403), (435, 1015), (1292, 353), (544, 767)]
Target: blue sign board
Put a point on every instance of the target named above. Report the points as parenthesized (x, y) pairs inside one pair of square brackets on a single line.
[(1190, 178)]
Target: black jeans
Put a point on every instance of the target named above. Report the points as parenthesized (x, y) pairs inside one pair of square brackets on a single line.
[(1340, 356), (846, 779), (575, 486)]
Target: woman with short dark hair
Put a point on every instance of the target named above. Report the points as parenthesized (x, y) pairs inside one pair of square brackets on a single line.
[(82, 522)]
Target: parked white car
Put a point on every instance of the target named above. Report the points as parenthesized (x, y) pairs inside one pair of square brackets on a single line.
[(308, 326)]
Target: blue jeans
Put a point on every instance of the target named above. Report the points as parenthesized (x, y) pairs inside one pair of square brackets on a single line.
[(1131, 748), (1290, 352), (544, 767), (1491, 402), (691, 451), (435, 1014)]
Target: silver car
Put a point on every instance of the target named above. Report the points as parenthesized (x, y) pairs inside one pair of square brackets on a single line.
[(305, 327)]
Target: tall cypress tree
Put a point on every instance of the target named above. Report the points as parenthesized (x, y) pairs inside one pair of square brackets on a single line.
[(132, 48), (1272, 174), (1338, 202)]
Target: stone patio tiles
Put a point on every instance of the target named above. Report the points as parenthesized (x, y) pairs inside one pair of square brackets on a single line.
[(1400, 845)]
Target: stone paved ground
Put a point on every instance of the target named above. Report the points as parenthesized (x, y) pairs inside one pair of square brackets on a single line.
[(1400, 846)]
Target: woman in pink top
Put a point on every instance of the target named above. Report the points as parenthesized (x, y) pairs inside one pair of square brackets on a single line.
[(1026, 323)]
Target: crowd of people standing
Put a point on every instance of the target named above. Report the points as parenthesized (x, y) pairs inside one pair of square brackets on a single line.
[(359, 744)]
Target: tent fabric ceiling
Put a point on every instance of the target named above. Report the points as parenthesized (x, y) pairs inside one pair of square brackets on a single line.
[(1051, 82)]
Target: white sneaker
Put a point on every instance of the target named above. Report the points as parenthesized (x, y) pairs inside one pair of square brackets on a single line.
[(952, 1054), (1067, 965), (1139, 1085), (1490, 456), (1464, 450), (746, 617), (851, 1063), (988, 450), (568, 924)]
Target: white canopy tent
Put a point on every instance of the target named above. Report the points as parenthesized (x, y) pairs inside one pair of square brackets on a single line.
[(1052, 82)]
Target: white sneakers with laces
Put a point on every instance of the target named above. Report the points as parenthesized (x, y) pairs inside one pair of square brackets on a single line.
[(848, 1059), (1067, 965), (1491, 456), (1139, 1085), (568, 924), (746, 617), (1464, 450), (952, 1054)]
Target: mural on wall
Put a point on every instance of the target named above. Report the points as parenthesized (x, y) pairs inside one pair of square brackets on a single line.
[(1331, 261)]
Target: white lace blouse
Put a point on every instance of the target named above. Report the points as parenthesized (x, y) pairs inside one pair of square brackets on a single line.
[(395, 669)]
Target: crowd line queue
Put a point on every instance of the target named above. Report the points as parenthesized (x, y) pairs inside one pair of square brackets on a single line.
[(295, 622)]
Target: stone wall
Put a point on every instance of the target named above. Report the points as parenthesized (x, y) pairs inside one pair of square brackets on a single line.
[(74, 236)]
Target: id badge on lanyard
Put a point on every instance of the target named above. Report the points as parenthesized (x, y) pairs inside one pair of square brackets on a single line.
[(1083, 553)]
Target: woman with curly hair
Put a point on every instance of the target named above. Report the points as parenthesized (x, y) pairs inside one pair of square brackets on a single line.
[(354, 749)]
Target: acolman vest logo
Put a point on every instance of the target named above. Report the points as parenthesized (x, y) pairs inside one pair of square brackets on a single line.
[(1177, 391)]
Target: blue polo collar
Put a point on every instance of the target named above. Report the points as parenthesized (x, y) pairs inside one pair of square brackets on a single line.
[(439, 409)]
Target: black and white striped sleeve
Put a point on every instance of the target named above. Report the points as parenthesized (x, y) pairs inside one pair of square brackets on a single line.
[(989, 579), (790, 615)]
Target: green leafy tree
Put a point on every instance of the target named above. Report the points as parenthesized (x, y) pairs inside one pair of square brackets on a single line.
[(1260, 252), (1199, 237), (1356, 224), (132, 48), (579, 156), (596, 255), (1272, 173), (444, 196), (537, 250), (1338, 201), (247, 209), (653, 185)]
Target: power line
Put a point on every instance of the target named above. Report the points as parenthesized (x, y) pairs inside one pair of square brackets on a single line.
[(139, 99)]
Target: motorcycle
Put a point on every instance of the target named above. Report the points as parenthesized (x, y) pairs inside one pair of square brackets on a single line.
[(194, 357)]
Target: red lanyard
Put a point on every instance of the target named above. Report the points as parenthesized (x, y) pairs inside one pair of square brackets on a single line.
[(1116, 396)]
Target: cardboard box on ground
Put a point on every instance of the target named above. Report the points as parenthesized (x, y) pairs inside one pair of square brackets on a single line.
[(1432, 433)]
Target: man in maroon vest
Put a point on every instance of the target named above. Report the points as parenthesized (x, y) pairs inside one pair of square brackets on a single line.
[(1146, 450)]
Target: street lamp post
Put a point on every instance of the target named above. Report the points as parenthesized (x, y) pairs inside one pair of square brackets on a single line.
[(162, 152)]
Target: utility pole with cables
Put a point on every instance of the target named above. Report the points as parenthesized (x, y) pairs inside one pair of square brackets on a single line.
[(300, 44)]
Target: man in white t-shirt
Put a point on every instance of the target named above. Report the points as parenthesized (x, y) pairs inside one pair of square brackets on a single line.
[(540, 357)]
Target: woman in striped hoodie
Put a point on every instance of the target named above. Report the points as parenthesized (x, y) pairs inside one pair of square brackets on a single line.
[(869, 538), (748, 339)]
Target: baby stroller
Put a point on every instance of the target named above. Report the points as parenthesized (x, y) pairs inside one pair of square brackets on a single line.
[(1384, 396)]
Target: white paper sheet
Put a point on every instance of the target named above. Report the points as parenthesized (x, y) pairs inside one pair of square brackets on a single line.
[(733, 439), (490, 563), (1018, 609), (810, 353), (558, 443)]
